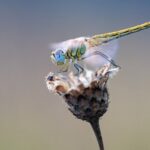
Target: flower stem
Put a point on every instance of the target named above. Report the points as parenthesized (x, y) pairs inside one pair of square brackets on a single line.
[(96, 128)]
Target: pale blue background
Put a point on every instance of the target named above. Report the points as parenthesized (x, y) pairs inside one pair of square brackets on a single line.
[(32, 118)]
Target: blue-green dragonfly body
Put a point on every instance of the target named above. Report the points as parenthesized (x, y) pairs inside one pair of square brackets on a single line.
[(97, 50)]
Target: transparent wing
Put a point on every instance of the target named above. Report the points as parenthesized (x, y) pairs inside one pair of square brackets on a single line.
[(65, 45), (61, 46), (95, 60)]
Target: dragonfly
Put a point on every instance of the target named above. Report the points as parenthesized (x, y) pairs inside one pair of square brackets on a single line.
[(101, 48)]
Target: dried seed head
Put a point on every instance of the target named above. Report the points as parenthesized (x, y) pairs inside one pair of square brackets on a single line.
[(86, 95), (89, 103)]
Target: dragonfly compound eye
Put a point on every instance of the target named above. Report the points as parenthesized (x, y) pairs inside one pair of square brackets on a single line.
[(60, 57)]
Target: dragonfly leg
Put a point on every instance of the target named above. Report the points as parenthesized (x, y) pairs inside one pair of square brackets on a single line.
[(79, 68), (104, 56)]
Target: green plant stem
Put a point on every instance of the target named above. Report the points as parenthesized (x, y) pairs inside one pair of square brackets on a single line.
[(96, 128)]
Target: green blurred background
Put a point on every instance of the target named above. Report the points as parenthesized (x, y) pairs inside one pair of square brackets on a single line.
[(31, 118)]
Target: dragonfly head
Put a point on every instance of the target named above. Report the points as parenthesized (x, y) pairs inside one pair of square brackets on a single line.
[(58, 57)]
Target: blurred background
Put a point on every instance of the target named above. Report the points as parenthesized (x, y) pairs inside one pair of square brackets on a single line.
[(31, 118)]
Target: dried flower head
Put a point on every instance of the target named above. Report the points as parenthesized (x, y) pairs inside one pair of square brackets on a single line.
[(86, 95)]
